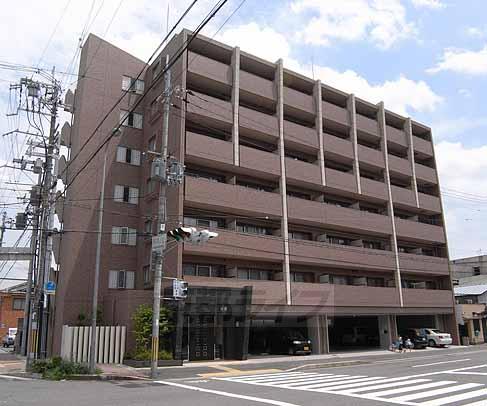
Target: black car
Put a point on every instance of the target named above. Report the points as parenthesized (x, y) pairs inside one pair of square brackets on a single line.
[(290, 342), (418, 339)]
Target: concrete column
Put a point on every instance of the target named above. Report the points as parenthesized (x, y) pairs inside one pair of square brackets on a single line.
[(282, 180), (319, 128), (353, 138), (381, 118), (409, 134), (393, 327), (314, 333), (384, 332), (235, 103), (326, 346)]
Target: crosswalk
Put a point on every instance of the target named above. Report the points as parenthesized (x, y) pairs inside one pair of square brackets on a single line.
[(416, 390)]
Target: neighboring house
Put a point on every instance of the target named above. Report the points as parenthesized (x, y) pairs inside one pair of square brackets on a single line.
[(12, 302), (470, 270), (471, 306)]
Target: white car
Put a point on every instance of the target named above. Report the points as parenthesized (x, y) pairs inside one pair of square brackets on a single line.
[(436, 338)]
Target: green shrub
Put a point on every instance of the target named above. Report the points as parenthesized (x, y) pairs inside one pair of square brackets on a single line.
[(56, 368), (145, 355)]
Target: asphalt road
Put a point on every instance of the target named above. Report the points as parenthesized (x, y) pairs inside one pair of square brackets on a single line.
[(431, 378)]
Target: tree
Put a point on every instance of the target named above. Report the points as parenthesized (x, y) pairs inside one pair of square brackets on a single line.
[(142, 319)]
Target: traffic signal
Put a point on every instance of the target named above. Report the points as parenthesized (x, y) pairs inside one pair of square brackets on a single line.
[(181, 233)]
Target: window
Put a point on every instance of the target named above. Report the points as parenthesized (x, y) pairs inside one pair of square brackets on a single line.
[(254, 274), (131, 119), (255, 186), (299, 277), (18, 304), (147, 275), (148, 227), (133, 85), (152, 144), (379, 282), (124, 236), (202, 222), (205, 175), (121, 280), (476, 270), (299, 195), (375, 245), (339, 280), (299, 235), (128, 156), (337, 240), (206, 270), (126, 194), (251, 229)]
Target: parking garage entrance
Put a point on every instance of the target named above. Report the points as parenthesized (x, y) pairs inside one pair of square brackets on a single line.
[(274, 335), (354, 333), (415, 321)]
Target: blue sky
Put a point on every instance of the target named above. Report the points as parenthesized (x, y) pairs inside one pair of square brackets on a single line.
[(425, 58)]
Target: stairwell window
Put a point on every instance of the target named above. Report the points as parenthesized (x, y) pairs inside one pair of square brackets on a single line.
[(121, 280), (124, 236), (128, 156), (132, 84), (131, 119), (126, 194)]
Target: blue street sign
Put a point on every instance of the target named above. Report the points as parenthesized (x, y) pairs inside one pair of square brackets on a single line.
[(50, 288)]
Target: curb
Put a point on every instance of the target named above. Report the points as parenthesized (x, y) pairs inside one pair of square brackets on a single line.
[(105, 378)]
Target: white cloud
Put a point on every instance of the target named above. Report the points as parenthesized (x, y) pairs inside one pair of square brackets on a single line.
[(434, 4), (464, 169), (383, 22), (462, 61), (450, 128), (401, 95), (476, 32), (465, 93)]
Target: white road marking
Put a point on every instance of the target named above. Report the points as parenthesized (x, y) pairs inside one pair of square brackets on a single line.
[(457, 398), (228, 394), (350, 380), (317, 381), (302, 380), (276, 377), (410, 388), (435, 392), (281, 379), (386, 385), (439, 363), (479, 403), (17, 378)]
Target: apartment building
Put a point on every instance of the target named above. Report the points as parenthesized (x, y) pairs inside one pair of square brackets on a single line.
[(12, 302), (327, 206), (469, 270)]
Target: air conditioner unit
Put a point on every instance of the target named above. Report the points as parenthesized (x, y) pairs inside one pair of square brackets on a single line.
[(324, 279)]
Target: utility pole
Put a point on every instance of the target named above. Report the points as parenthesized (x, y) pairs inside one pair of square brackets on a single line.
[(26, 336), (159, 242), (2, 228), (47, 221)]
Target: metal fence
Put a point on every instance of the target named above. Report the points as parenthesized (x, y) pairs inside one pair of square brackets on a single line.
[(110, 344)]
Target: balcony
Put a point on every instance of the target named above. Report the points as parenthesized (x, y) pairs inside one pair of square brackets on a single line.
[(420, 232), (399, 165), (423, 146), (367, 125), (428, 298), (396, 136), (426, 174), (413, 263), (267, 163), (201, 149), (430, 203), (207, 194), (230, 244), (323, 294), (211, 107), (374, 189), (322, 214), (302, 171), (300, 135), (337, 147), (371, 156), (335, 113), (340, 180), (202, 66), (263, 292), (299, 100), (403, 196), (258, 122), (257, 85), (340, 256)]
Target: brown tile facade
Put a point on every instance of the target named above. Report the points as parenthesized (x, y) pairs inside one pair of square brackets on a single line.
[(295, 176)]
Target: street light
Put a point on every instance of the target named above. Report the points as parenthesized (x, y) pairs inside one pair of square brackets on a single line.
[(92, 363)]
